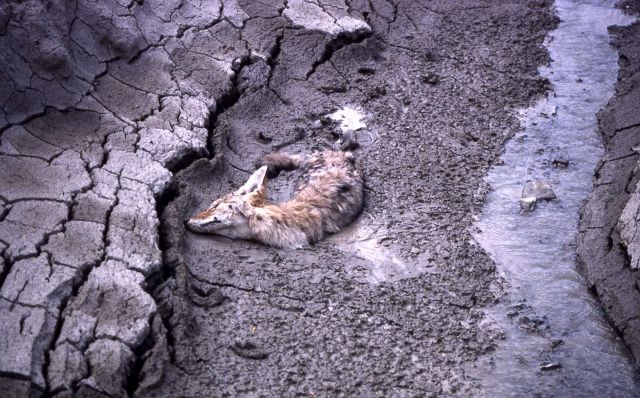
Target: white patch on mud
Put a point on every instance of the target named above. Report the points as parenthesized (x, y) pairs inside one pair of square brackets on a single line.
[(310, 15), (350, 119)]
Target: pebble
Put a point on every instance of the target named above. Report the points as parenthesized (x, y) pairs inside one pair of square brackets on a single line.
[(533, 192), (561, 162), (430, 78), (550, 366)]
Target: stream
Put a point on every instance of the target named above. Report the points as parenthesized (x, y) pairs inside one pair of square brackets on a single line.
[(557, 341)]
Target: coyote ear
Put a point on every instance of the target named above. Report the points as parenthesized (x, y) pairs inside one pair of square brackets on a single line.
[(255, 182)]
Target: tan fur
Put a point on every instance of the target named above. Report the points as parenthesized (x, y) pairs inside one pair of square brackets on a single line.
[(329, 198)]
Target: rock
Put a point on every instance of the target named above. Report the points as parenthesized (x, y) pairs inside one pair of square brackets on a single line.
[(133, 232), (430, 78), (113, 296), (550, 366), (17, 140), (528, 204), (549, 110), (253, 76), (168, 147), (78, 246), (13, 387), (560, 162), (41, 180), (533, 192)]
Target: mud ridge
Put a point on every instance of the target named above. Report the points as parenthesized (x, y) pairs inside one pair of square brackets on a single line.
[(607, 245), (340, 41)]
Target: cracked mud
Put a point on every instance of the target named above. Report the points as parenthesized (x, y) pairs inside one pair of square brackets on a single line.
[(124, 118)]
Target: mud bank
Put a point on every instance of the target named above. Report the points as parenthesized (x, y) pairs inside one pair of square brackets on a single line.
[(607, 246)]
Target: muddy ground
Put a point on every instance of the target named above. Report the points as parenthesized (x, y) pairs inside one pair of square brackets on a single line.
[(437, 85), (608, 247), (124, 118)]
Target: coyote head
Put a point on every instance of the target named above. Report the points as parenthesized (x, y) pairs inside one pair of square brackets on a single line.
[(229, 215)]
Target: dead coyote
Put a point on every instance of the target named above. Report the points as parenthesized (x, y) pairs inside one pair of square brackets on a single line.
[(329, 197)]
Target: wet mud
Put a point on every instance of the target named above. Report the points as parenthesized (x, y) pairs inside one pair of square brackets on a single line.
[(392, 305)]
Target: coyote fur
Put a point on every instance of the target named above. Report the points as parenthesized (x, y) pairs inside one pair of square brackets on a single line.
[(329, 198)]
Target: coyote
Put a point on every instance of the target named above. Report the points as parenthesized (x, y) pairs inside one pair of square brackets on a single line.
[(329, 197)]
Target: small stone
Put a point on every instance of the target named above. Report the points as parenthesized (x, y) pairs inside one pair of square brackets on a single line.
[(367, 70), (528, 204), (248, 349), (549, 110), (264, 138), (550, 366), (430, 78), (561, 163), (350, 144), (253, 76), (555, 343), (377, 92), (204, 295), (414, 250), (534, 191)]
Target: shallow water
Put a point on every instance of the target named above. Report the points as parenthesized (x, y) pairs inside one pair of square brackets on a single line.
[(549, 316), (382, 264)]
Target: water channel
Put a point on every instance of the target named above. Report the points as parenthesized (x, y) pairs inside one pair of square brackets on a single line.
[(557, 342)]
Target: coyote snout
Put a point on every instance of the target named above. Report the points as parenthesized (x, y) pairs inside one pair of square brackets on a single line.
[(329, 198)]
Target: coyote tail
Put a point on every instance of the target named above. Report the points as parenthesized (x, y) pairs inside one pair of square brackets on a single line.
[(276, 162)]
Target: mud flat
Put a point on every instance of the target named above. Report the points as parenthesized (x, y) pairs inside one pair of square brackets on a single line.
[(392, 305), (607, 244), (120, 119)]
